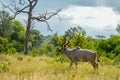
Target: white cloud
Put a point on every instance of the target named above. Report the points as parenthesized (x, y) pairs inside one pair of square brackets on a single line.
[(97, 18)]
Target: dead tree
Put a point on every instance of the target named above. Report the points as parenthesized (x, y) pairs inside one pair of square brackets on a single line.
[(27, 7)]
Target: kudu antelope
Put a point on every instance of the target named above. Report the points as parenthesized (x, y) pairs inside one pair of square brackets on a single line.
[(78, 54)]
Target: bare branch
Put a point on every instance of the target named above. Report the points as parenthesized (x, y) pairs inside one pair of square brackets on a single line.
[(48, 26), (34, 3), (6, 6), (46, 16), (16, 10), (59, 17), (56, 13)]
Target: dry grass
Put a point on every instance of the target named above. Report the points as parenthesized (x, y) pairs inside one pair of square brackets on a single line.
[(46, 68)]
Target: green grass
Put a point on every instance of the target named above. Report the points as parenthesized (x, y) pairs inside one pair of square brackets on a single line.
[(47, 68)]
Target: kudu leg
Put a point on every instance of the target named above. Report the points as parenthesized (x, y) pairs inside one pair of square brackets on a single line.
[(95, 66), (76, 65), (71, 64)]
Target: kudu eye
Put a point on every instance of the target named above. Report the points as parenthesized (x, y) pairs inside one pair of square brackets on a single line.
[(64, 45)]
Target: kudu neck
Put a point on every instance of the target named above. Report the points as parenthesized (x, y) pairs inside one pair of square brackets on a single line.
[(66, 50)]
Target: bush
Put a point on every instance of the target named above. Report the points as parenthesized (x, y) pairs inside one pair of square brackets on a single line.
[(105, 60), (111, 55), (61, 59), (11, 51), (35, 52), (3, 44), (6, 46), (18, 46), (117, 60), (117, 49), (4, 66), (48, 49)]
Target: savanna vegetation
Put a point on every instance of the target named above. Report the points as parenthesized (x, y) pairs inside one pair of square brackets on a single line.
[(45, 60)]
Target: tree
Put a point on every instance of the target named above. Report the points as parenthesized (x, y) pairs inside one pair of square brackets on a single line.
[(27, 7), (17, 36), (5, 24), (38, 38), (118, 29), (75, 30), (57, 42)]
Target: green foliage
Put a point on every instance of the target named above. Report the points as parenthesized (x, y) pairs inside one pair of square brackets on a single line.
[(78, 40), (18, 31), (110, 45), (35, 52), (5, 24), (102, 44), (61, 59), (37, 38), (17, 36), (49, 49), (18, 46), (117, 59), (11, 51), (90, 44), (45, 49), (56, 42), (105, 60), (4, 66), (4, 44), (111, 56), (74, 30), (14, 42)]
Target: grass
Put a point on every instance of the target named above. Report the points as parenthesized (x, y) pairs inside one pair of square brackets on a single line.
[(47, 68)]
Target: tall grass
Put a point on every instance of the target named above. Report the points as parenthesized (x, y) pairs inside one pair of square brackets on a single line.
[(47, 68)]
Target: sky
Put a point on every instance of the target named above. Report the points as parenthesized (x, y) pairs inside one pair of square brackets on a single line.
[(96, 17)]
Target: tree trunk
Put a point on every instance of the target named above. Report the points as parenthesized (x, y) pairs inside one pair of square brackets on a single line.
[(27, 40), (28, 30)]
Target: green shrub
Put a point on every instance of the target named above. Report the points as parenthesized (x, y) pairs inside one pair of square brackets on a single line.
[(11, 51), (111, 55), (105, 60), (35, 52), (117, 49), (3, 44), (18, 45), (4, 66), (61, 59), (117, 60)]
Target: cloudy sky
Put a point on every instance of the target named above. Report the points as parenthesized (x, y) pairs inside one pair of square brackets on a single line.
[(94, 16)]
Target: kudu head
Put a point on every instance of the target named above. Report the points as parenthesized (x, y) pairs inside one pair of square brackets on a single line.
[(65, 43), (64, 47)]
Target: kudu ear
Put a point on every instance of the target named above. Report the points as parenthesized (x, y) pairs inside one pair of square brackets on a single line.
[(64, 45)]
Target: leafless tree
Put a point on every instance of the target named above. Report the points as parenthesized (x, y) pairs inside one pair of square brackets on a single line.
[(27, 7)]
